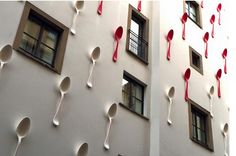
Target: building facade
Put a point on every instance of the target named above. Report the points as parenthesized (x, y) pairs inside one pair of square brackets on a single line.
[(56, 44)]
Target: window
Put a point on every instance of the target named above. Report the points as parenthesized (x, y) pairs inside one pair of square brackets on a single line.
[(133, 93), (200, 125), (137, 37), (41, 38), (193, 10), (195, 60)]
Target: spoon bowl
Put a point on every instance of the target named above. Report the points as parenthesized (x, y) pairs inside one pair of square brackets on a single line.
[(187, 74), (224, 54), (225, 129), (112, 111), (211, 91), (119, 33), (219, 7), (5, 54), (184, 17), (218, 74), (206, 37), (79, 4), (212, 20), (65, 85), (83, 150), (170, 35), (171, 92), (95, 54)]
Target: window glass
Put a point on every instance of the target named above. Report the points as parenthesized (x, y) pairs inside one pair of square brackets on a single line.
[(50, 38), (32, 29)]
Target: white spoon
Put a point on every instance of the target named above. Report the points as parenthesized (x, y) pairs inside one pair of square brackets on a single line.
[(224, 131), (94, 57), (170, 96), (22, 131), (78, 4), (110, 114), (64, 87), (5, 54), (83, 150), (211, 92)]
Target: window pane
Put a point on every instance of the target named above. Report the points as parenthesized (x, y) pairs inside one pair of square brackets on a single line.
[(28, 44), (202, 124), (194, 132), (137, 105), (126, 92), (138, 92), (50, 38), (133, 43), (199, 135), (125, 98), (203, 138), (46, 54), (134, 27), (32, 28), (193, 119), (198, 121)]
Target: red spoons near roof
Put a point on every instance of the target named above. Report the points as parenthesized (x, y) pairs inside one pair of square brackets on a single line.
[(212, 21), (219, 10), (169, 38), (205, 39), (139, 5), (118, 35)]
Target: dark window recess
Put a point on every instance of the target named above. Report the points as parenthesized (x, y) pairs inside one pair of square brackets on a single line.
[(195, 60), (132, 94), (193, 10), (137, 38), (200, 125), (41, 38)]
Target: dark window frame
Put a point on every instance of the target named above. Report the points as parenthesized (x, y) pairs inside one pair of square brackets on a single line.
[(192, 106), (131, 79), (198, 21), (143, 39), (194, 52), (32, 11)]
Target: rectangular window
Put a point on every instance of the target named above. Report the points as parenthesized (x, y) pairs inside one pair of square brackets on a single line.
[(41, 38), (132, 94), (137, 37), (195, 60), (200, 125), (193, 10)]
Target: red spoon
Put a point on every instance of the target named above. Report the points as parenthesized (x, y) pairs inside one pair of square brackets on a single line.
[(224, 55), (169, 38), (186, 78), (99, 11), (212, 20), (202, 3), (218, 10), (205, 39), (184, 20), (118, 35), (139, 5), (218, 76)]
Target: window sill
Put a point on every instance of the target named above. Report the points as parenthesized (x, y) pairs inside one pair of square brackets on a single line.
[(195, 22), (139, 58), (37, 60), (203, 145), (140, 115)]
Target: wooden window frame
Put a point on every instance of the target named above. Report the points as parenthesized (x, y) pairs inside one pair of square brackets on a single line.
[(198, 13), (209, 136), (138, 15), (62, 40), (132, 80), (199, 69)]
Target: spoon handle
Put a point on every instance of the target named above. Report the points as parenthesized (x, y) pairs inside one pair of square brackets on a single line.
[(58, 108), (186, 91), (211, 107), (169, 110), (206, 50), (139, 5), (225, 145), (219, 19), (183, 33), (72, 29), (219, 94), (99, 11), (17, 146), (225, 67), (212, 32), (116, 51), (106, 143), (89, 82), (168, 51)]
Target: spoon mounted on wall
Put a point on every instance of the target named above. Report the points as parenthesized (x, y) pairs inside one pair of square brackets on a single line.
[(83, 150), (78, 5), (224, 55), (169, 37), (186, 78), (205, 39), (224, 131), (111, 113), (211, 93), (22, 131), (219, 7), (64, 87), (117, 36), (218, 76), (184, 20), (94, 57), (139, 5), (212, 21), (5, 54), (99, 10), (170, 96)]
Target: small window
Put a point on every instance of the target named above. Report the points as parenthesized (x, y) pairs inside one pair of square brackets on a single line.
[(200, 125), (137, 37), (132, 93), (41, 38), (193, 10), (195, 60)]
